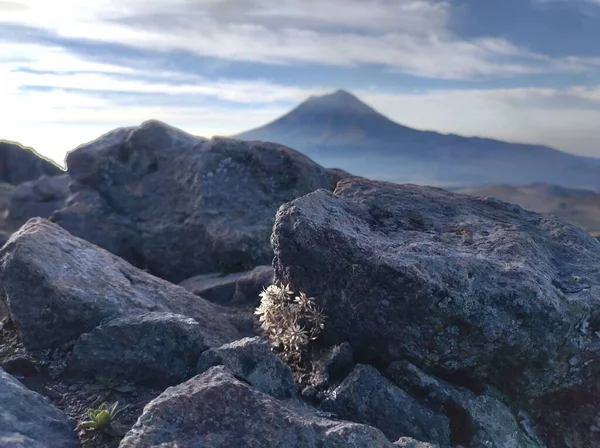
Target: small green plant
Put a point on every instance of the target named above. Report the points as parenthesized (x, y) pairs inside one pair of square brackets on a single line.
[(289, 321), (101, 417), (105, 386)]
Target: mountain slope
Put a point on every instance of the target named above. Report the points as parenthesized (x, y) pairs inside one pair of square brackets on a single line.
[(340, 130)]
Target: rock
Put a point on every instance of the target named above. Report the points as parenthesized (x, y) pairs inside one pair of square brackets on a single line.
[(216, 410), (28, 420), (472, 287), (19, 366), (37, 198), (252, 360), (366, 396), (57, 287), (19, 164), (407, 442), (477, 420), (181, 205), (237, 288), (156, 349)]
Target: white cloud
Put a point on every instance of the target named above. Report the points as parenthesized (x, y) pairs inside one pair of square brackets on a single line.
[(410, 36)]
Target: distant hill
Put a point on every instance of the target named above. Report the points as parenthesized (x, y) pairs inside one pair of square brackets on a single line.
[(580, 207), (340, 130)]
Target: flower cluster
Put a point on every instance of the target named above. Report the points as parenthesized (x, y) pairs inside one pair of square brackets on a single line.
[(289, 321)]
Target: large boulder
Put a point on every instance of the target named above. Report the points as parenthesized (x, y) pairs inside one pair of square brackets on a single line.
[(28, 420), (216, 410), (19, 164), (56, 287), (179, 205), (468, 286), (37, 198)]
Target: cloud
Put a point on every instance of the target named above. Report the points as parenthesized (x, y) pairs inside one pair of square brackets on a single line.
[(407, 36)]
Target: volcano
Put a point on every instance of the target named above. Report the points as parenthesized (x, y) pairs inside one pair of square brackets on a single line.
[(338, 129)]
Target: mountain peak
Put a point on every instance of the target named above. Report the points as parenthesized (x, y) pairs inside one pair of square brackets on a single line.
[(338, 100)]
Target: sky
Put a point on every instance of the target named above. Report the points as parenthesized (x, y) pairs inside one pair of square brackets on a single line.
[(516, 70)]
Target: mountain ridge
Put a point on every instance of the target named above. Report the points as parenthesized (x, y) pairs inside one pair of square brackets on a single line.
[(339, 129)]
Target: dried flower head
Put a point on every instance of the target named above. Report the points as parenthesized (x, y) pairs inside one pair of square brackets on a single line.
[(289, 322)]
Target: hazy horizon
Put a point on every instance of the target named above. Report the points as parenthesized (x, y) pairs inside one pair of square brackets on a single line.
[(515, 70)]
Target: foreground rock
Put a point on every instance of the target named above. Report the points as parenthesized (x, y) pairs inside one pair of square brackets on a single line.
[(180, 205), (252, 360), (37, 198), (366, 396), (195, 414), (158, 349), (19, 164), (56, 287), (233, 289), (460, 284), (478, 420), (28, 420)]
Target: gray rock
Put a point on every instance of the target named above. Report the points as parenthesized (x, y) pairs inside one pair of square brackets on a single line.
[(470, 286), (217, 410), (407, 442), (366, 396), (28, 420), (20, 164), (37, 198), (56, 287), (252, 360), (478, 420), (157, 349), (233, 289), (181, 205)]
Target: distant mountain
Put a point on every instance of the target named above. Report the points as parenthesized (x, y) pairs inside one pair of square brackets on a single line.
[(580, 207), (340, 130)]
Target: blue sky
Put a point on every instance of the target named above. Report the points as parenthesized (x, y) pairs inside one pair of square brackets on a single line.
[(518, 70)]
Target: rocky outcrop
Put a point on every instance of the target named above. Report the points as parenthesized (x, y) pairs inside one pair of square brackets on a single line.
[(28, 420), (195, 413), (37, 198), (450, 282), (19, 164), (179, 205), (232, 289), (57, 287), (467, 288)]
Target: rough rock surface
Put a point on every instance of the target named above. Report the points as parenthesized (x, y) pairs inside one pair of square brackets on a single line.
[(19, 164), (56, 287), (468, 286), (366, 396), (180, 205), (37, 198), (477, 420), (407, 442), (237, 288), (28, 420), (216, 410), (252, 360), (159, 349)]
